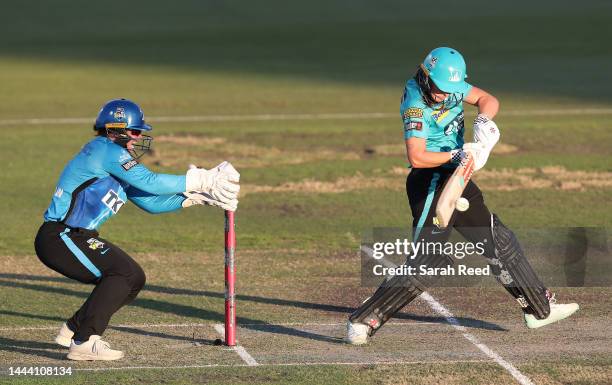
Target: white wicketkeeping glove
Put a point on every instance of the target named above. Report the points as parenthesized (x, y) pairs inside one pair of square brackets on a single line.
[(479, 152), (220, 182), (486, 132), (202, 198)]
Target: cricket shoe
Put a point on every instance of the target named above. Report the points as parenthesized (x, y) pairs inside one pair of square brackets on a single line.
[(357, 333), (94, 349), (64, 337), (558, 311)]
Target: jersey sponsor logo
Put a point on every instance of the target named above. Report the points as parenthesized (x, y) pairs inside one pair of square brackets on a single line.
[(129, 164), (112, 201), (95, 244), (413, 112), (440, 114), (456, 125), (58, 192), (413, 126)]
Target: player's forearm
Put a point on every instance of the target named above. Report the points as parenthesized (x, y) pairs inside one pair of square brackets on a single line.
[(144, 179), (155, 204), (427, 159)]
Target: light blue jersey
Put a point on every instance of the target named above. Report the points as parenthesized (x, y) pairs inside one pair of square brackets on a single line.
[(441, 126), (99, 180)]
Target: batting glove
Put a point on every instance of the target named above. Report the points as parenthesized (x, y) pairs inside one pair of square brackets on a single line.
[(221, 182), (486, 131), (202, 198), (479, 152)]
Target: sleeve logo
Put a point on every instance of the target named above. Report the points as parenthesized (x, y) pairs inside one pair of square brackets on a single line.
[(418, 126), (413, 112), (129, 164)]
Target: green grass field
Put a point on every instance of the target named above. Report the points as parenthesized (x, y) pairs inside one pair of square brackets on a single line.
[(303, 98)]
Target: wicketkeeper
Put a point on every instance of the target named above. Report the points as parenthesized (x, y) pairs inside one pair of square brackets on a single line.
[(94, 185), (432, 113)]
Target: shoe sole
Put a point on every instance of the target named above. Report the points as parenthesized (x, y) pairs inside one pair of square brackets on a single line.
[(552, 321), (90, 357), (356, 343)]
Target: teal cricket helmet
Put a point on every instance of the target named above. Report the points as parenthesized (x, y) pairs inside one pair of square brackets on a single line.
[(446, 68)]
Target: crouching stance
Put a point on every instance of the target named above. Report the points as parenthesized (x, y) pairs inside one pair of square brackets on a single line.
[(433, 117), (94, 185)]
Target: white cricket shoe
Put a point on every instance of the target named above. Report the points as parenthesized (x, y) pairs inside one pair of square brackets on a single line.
[(64, 337), (357, 333), (558, 311), (94, 349)]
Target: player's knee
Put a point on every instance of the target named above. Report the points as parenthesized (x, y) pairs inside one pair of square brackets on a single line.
[(137, 279)]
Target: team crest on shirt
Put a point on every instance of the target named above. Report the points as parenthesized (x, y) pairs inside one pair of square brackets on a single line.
[(95, 244)]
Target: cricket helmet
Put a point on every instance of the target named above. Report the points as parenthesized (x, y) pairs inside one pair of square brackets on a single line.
[(119, 116), (446, 68), (121, 113)]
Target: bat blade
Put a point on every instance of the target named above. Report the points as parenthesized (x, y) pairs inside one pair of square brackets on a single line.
[(452, 191)]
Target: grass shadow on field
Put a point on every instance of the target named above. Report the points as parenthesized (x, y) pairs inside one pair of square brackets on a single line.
[(163, 306), (190, 311), (33, 348), (148, 333), (30, 315), (125, 329)]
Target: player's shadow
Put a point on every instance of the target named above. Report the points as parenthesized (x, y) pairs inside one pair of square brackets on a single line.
[(127, 329), (161, 306), (16, 280), (31, 348)]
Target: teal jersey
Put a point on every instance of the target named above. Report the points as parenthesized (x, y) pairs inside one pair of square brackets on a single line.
[(441, 125), (100, 179)]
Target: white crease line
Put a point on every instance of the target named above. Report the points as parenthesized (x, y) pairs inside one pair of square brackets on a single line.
[(454, 322), (281, 364), (450, 318), (246, 357), (188, 325), (314, 116)]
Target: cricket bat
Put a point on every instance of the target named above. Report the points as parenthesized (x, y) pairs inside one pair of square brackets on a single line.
[(452, 191)]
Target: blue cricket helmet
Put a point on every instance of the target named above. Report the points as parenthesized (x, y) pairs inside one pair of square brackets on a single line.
[(446, 68), (121, 114)]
